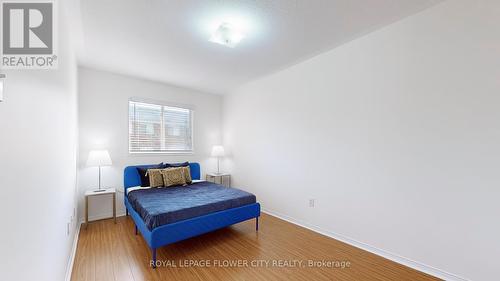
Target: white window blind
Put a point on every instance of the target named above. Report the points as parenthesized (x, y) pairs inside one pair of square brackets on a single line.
[(159, 128)]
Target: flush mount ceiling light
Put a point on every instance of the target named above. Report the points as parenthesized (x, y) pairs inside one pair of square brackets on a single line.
[(227, 35)]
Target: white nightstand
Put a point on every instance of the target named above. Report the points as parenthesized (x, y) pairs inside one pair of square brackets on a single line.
[(219, 178), (91, 193)]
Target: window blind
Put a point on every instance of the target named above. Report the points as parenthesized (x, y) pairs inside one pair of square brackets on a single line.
[(159, 128)]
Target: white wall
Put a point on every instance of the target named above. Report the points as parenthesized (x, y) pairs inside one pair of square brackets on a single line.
[(38, 142), (396, 135), (103, 123)]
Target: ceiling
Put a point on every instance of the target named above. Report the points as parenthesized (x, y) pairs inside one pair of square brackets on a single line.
[(167, 40)]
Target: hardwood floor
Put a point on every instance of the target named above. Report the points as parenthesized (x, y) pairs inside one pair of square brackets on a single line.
[(108, 251)]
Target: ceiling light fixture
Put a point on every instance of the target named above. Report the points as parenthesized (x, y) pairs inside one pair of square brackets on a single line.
[(227, 35)]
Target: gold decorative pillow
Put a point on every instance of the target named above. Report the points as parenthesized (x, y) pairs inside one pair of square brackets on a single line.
[(155, 178), (187, 175), (173, 176)]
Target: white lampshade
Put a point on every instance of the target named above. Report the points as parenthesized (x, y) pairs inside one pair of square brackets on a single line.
[(217, 151), (99, 158)]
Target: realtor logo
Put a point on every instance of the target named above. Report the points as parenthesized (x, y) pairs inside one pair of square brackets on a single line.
[(28, 35)]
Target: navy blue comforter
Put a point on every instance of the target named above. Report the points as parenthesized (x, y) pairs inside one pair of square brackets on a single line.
[(160, 206)]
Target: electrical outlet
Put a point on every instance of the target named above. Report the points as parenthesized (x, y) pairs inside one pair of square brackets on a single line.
[(311, 203)]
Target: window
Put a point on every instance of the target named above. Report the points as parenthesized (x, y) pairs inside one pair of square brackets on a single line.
[(156, 128)]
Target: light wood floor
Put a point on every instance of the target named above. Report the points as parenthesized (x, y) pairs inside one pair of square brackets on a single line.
[(108, 251)]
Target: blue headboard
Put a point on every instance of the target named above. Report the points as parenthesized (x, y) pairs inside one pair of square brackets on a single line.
[(131, 175)]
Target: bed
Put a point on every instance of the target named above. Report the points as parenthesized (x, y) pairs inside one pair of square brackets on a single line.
[(168, 215)]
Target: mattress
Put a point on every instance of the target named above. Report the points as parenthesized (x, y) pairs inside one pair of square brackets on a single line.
[(160, 206)]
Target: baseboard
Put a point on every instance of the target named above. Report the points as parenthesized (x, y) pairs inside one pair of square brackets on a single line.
[(388, 255), (72, 255), (71, 260), (104, 216)]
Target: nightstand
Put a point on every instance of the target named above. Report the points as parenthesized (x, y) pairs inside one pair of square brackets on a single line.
[(92, 193), (223, 179)]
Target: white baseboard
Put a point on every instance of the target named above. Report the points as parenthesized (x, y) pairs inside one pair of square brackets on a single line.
[(71, 261), (104, 216), (388, 255)]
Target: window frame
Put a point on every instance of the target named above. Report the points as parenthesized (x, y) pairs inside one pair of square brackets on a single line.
[(162, 104)]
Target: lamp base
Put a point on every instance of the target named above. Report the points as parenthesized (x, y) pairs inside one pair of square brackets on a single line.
[(99, 190)]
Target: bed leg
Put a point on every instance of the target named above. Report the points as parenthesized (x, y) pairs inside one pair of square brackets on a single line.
[(257, 224), (153, 253), (136, 230), (126, 212)]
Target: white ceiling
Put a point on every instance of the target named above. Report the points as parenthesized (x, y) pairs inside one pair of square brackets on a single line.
[(167, 40)]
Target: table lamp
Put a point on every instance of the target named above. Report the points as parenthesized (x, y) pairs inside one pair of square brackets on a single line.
[(218, 151), (99, 158)]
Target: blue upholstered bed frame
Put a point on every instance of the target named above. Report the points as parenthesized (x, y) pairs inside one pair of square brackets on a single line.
[(171, 233)]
